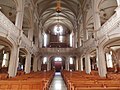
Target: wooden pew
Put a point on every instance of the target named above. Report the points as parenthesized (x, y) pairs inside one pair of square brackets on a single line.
[(32, 81), (21, 85), (96, 88), (81, 81), (3, 76)]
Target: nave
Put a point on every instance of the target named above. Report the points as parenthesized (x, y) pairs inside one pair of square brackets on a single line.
[(64, 80), (58, 82), (80, 38)]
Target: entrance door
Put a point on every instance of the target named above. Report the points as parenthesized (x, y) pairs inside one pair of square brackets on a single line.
[(58, 65)]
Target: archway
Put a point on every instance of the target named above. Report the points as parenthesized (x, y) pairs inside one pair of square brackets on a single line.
[(5, 54), (58, 63), (112, 53), (22, 58)]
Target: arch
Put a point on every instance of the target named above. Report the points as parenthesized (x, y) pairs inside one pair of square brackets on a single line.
[(24, 51), (111, 41), (8, 8), (57, 65), (113, 45), (8, 41), (9, 47), (24, 56)]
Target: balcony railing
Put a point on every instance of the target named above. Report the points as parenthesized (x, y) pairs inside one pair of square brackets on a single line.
[(105, 29), (58, 51), (9, 29), (8, 26), (108, 26)]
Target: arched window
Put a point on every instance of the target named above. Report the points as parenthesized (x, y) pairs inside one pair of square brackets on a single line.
[(71, 40), (58, 29), (109, 59), (58, 59), (45, 40), (71, 60), (44, 60)]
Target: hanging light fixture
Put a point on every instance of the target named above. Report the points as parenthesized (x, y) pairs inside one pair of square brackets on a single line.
[(57, 28), (58, 10), (58, 7)]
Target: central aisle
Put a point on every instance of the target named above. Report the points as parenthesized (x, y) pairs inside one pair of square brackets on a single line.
[(58, 83)]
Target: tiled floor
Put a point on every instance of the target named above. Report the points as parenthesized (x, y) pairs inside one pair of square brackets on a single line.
[(57, 83)]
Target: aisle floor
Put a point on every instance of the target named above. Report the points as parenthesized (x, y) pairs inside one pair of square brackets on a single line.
[(58, 83)]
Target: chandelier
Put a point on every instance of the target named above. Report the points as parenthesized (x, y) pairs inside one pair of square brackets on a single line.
[(58, 7), (58, 29)]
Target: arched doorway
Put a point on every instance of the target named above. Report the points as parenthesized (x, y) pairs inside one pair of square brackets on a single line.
[(58, 63)]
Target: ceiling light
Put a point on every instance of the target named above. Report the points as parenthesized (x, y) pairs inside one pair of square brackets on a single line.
[(58, 7)]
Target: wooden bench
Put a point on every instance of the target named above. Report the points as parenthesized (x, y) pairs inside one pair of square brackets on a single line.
[(81, 81), (3, 76), (32, 81), (22, 85)]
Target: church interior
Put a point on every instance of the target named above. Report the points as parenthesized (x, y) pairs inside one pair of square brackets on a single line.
[(59, 45)]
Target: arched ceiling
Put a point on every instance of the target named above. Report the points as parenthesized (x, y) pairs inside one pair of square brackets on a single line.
[(48, 15), (8, 7)]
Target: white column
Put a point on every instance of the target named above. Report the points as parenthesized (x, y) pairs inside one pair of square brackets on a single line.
[(71, 39), (20, 14), (39, 64), (40, 38), (84, 26), (101, 62), (97, 22), (80, 41), (97, 57), (87, 64), (28, 63), (96, 16), (31, 29), (78, 35), (66, 64), (35, 61), (81, 64), (75, 39), (48, 39), (30, 34), (48, 65), (14, 59), (77, 59), (36, 39), (118, 2), (118, 8)]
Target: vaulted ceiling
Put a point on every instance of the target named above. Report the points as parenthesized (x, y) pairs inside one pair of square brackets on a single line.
[(67, 17), (71, 11)]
